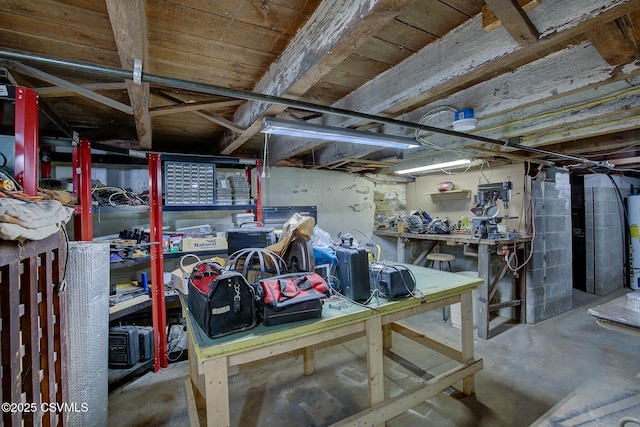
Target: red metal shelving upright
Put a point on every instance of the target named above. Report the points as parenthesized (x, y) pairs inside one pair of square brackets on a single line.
[(158, 306), (83, 218)]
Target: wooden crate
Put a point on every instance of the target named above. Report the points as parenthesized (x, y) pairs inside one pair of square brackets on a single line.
[(32, 332)]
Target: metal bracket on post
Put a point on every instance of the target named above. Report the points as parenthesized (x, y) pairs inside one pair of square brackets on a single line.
[(137, 71)]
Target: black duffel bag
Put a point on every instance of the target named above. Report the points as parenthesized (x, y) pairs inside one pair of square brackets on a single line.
[(291, 297), (221, 302)]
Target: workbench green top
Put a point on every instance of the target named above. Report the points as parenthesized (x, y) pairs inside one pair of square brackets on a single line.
[(433, 285)]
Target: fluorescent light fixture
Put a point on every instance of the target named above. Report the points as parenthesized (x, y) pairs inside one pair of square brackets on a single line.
[(444, 165), (316, 131)]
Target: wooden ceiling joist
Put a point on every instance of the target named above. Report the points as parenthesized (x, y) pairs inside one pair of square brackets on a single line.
[(515, 20), (490, 21), (193, 106), (203, 114), (128, 21), (59, 92), (618, 41)]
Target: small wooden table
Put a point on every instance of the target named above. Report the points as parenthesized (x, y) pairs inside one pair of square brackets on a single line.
[(210, 359), (486, 248)]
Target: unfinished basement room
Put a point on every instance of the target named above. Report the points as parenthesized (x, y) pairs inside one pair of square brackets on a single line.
[(311, 213)]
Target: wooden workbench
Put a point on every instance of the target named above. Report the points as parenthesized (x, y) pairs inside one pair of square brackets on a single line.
[(210, 359), (485, 249)]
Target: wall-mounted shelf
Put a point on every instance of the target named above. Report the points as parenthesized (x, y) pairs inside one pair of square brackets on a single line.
[(451, 195)]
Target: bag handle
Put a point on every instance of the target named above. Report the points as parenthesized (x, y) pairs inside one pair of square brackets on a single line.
[(251, 222)]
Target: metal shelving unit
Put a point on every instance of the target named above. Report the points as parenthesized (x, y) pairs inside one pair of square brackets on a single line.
[(26, 171), (81, 158)]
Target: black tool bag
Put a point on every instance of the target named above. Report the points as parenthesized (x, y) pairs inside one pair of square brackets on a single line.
[(291, 297), (221, 302)]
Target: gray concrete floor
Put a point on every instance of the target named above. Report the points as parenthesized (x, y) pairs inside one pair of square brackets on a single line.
[(564, 371)]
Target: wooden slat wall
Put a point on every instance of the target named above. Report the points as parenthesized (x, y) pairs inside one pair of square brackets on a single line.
[(32, 334)]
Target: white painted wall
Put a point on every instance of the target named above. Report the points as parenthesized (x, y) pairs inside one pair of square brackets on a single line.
[(345, 201)]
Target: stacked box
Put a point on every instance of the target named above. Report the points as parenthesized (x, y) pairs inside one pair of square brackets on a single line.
[(224, 193), (240, 189)]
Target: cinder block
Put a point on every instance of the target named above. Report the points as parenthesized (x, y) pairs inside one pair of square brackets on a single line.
[(559, 274), (559, 257), (558, 206), (557, 240), (549, 309), (559, 291), (535, 277), (557, 224), (536, 296)]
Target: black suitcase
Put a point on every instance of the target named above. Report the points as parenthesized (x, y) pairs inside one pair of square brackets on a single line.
[(123, 346), (221, 302), (249, 235), (145, 342), (394, 281), (353, 270), (303, 311)]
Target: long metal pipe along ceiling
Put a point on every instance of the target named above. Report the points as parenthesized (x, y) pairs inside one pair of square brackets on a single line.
[(108, 71)]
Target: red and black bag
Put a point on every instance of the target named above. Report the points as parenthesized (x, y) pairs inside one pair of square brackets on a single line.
[(291, 297), (221, 302)]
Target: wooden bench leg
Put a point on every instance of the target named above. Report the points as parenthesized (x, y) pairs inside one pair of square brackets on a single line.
[(375, 363), (387, 339), (217, 392), (308, 360), (192, 404)]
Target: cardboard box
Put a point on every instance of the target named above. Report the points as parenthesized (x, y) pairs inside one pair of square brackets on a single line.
[(194, 244), (180, 278)]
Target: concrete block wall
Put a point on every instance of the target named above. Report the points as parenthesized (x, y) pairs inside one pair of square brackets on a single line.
[(604, 239), (549, 273)]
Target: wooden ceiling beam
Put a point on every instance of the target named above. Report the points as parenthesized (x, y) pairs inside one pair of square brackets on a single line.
[(219, 121), (618, 41), (515, 21), (193, 106), (336, 29), (59, 92), (490, 21), (128, 21), (203, 114)]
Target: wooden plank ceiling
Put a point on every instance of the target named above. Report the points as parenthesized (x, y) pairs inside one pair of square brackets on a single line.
[(553, 77)]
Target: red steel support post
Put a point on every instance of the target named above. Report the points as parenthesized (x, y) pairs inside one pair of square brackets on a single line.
[(158, 307), (26, 134), (81, 178)]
